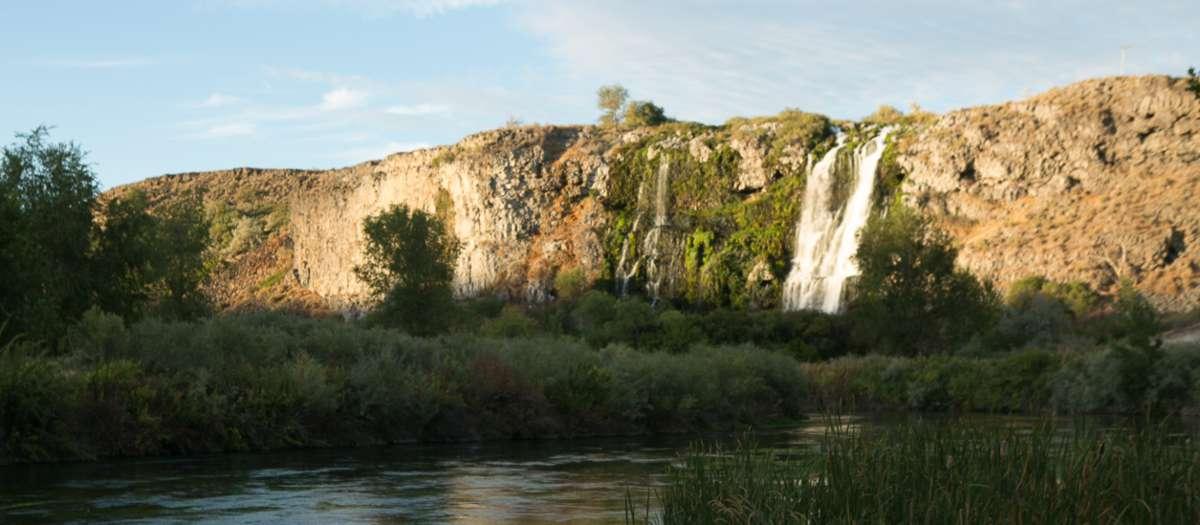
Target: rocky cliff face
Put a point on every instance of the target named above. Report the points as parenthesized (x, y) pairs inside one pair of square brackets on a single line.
[(1098, 181), (1093, 181)]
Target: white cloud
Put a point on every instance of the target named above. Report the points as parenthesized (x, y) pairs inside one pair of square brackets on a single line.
[(233, 129), (343, 98), (218, 100), (363, 154), (109, 63), (418, 109)]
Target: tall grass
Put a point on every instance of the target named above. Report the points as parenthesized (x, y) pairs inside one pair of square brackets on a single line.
[(939, 473)]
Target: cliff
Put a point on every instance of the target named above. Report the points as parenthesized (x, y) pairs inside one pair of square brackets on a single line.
[(1093, 181)]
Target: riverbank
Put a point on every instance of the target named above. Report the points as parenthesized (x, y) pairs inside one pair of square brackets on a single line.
[(267, 381), (258, 382)]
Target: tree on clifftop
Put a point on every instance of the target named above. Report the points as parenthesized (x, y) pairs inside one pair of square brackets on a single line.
[(611, 99), (409, 268)]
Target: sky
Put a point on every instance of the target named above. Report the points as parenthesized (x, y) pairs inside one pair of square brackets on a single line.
[(150, 87)]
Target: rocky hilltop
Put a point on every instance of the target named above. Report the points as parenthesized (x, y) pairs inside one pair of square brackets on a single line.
[(1095, 181)]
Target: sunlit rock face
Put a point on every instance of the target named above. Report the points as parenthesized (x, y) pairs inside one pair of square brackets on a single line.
[(519, 201), (1097, 181)]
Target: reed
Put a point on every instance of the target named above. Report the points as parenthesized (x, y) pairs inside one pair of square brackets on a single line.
[(939, 473)]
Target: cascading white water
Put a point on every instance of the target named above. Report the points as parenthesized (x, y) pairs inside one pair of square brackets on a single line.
[(661, 188), (826, 239), (623, 275)]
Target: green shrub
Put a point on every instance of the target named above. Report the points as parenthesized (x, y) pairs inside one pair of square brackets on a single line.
[(36, 403), (512, 322), (569, 284)]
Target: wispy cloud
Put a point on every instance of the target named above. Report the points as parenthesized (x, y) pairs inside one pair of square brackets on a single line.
[(233, 129), (418, 109), (219, 100), (106, 63), (363, 154), (343, 98), (717, 59)]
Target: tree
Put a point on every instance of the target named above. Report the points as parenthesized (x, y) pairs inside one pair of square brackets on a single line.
[(910, 297), (47, 196), (181, 270), (643, 113), (151, 262), (1193, 82), (124, 246), (409, 268), (611, 99)]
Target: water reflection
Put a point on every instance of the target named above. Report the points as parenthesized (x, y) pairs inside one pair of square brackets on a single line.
[(522, 482), (526, 482)]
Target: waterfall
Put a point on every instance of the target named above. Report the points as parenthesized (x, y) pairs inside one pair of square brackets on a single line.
[(623, 274), (661, 190), (827, 236)]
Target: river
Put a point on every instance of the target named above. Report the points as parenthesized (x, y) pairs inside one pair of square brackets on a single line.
[(564, 481)]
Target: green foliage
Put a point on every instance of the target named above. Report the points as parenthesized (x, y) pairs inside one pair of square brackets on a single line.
[(910, 298), (1075, 296), (152, 261), (1137, 321), (610, 99), (643, 113), (512, 322), (267, 381), (47, 196), (961, 472), (569, 284), (1193, 82), (409, 267)]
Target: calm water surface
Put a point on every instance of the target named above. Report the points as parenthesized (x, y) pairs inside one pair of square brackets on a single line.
[(580, 481)]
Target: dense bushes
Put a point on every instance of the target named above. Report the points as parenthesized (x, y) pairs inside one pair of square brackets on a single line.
[(1119, 378), (264, 381)]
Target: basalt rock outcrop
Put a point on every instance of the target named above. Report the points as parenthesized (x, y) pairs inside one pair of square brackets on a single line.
[(1096, 181)]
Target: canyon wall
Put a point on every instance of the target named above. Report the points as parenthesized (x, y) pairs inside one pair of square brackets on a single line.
[(1096, 181)]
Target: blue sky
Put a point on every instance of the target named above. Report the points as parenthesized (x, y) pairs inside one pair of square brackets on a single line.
[(154, 87)]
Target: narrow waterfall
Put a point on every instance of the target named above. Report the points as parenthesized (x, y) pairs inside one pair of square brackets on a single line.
[(623, 271), (653, 238), (826, 235)]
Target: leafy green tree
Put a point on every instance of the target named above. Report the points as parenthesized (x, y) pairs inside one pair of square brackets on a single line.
[(47, 196), (125, 245), (409, 268), (910, 298), (643, 113), (1193, 82), (1136, 319), (151, 262), (182, 240), (611, 99)]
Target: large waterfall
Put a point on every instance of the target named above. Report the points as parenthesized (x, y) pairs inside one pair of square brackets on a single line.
[(827, 233)]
